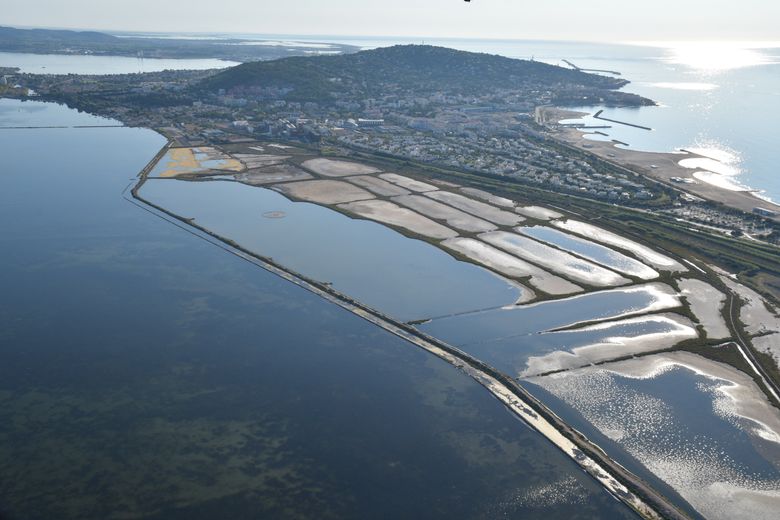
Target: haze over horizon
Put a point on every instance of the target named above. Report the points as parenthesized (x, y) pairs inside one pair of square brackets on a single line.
[(597, 20)]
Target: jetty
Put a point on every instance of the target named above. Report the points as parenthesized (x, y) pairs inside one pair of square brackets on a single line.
[(575, 67), (597, 115)]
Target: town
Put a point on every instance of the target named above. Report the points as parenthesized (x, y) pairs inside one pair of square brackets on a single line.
[(493, 131)]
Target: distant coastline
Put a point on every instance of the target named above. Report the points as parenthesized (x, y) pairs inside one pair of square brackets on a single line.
[(92, 43)]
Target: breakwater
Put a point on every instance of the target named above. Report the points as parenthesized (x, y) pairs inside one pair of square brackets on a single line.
[(597, 115)]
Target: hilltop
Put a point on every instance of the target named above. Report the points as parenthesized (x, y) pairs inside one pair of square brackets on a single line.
[(10, 36), (422, 69)]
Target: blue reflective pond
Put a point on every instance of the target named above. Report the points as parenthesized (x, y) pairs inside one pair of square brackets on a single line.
[(408, 279)]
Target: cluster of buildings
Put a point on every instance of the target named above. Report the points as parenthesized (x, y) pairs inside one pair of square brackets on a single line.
[(497, 149), (726, 222), (492, 132)]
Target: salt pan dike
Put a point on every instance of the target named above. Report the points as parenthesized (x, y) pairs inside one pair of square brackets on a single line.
[(539, 352), (563, 263), (591, 251), (536, 352), (703, 427), (598, 234)]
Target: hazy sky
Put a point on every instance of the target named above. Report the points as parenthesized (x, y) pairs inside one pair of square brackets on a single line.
[(601, 20)]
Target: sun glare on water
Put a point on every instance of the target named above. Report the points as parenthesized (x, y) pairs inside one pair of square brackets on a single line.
[(714, 57)]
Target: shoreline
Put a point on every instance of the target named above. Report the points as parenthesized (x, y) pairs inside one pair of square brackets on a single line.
[(658, 166)]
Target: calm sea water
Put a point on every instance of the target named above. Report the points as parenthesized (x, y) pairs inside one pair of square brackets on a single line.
[(146, 374)]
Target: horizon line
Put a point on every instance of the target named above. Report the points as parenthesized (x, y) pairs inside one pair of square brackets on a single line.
[(767, 43)]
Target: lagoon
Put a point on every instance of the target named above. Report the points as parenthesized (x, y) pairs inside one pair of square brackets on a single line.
[(146, 373), (408, 279), (87, 64)]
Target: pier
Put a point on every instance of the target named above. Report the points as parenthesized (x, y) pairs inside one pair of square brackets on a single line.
[(570, 64), (598, 116), (583, 126)]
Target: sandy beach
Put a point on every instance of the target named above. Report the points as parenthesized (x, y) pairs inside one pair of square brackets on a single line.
[(655, 165)]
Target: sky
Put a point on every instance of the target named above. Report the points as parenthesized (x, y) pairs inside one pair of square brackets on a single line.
[(589, 20)]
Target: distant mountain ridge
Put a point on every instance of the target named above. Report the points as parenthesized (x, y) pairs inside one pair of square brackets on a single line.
[(405, 69), (61, 41), (9, 35)]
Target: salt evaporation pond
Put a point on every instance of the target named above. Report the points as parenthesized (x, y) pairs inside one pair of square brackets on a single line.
[(544, 316), (601, 342), (590, 250), (536, 352), (408, 279), (516, 340), (598, 234), (692, 422), (561, 262)]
